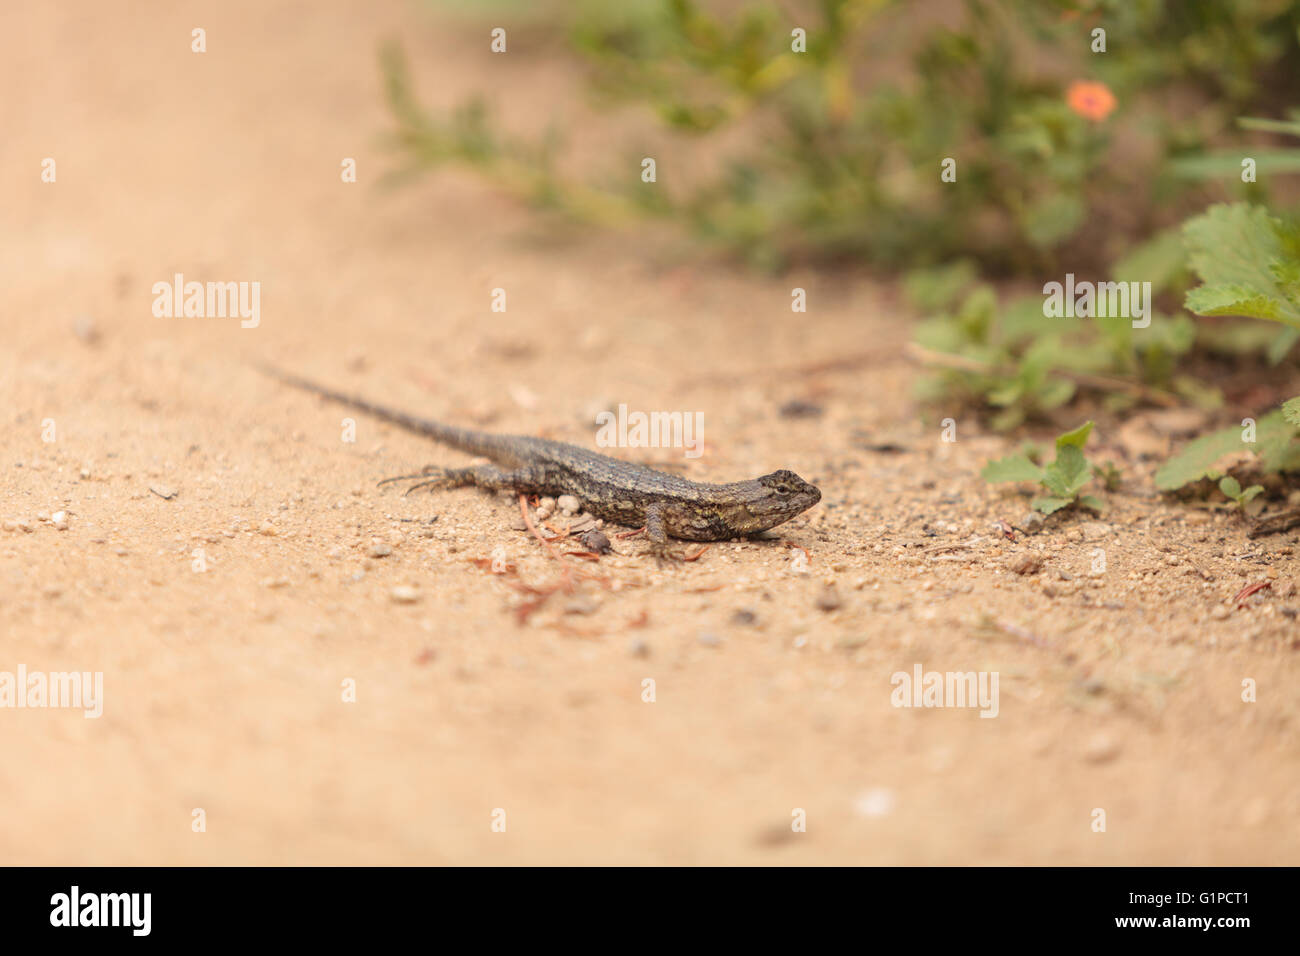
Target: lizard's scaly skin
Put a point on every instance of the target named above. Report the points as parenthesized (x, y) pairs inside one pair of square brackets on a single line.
[(618, 491)]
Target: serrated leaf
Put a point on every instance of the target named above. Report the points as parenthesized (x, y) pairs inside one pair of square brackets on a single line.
[(1274, 443), (1237, 300), (1196, 461), (1093, 502), (1014, 468), (1232, 245), (1078, 438), (1049, 505), (1065, 476), (1235, 249), (1291, 410)]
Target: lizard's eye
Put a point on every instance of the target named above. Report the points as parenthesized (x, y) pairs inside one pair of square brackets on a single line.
[(783, 489)]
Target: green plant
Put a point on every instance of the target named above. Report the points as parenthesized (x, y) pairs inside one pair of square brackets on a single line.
[(1269, 444), (1063, 478), (1021, 364), (837, 138), (1232, 489), (1249, 265), (1108, 474)]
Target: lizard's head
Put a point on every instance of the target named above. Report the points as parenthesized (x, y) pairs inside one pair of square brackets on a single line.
[(779, 497)]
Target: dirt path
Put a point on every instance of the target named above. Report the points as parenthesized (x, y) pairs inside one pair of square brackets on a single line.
[(1120, 690)]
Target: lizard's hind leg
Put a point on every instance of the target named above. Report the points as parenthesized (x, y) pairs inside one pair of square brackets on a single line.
[(481, 476)]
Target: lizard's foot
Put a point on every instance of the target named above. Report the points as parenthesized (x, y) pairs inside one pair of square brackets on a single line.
[(663, 554), (482, 476), (430, 476)]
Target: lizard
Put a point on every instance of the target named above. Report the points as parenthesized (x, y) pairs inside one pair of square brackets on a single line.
[(623, 493)]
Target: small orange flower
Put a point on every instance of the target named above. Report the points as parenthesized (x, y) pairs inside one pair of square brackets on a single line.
[(1092, 101)]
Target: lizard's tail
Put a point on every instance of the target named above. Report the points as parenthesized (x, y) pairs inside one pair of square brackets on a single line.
[(464, 439)]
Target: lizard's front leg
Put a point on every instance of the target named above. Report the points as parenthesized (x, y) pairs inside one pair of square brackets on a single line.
[(657, 534)]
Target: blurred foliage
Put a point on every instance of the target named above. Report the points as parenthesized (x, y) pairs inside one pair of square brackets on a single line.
[(817, 132), (1020, 363), (1023, 364), (835, 151), (1274, 449)]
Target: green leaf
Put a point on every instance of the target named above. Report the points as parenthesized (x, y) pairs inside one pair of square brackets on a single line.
[(1228, 164), (1251, 492), (1236, 250), (1159, 261), (1231, 487), (1281, 346), (930, 290), (1049, 505), (1014, 468), (1196, 461), (1291, 410), (1238, 300), (1286, 127), (1077, 438), (1093, 502), (1065, 476), (1053, 219), (1274, 444)]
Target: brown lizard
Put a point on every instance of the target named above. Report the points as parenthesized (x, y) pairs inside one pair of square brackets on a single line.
[(617, 491)]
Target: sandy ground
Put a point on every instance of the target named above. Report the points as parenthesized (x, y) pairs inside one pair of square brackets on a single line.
[(223, 687)]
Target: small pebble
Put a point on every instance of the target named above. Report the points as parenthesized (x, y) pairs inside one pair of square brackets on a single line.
[(379, 550), (829, 600), (581, 605), (1100, 749), (799, 408), (1026, 562), (595, 542), (404, 594), (568, 504), (85, 329), (166, 492), (708, 639)]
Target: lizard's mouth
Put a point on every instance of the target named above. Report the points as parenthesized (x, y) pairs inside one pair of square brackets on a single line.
[(774, 510)]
